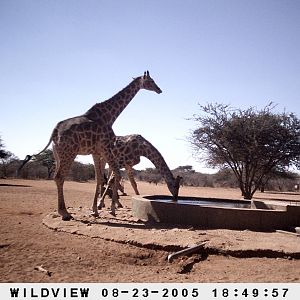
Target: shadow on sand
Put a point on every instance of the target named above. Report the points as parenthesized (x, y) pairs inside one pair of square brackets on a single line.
[(14, 185)]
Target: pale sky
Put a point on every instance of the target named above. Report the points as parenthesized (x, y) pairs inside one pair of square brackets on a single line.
[(58, 58)]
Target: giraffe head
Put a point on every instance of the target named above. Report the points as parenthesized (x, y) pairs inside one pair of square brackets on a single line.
[(174, 187), (148, 83)]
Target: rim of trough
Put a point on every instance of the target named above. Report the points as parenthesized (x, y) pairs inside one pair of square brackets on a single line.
[(273, 207)]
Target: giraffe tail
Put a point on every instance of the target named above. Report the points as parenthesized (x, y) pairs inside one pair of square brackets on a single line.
[(24, 162), (29, 157)]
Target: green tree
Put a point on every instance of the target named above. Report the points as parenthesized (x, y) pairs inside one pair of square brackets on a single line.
[(277, 174), (3, 152), (8, 162), (8, 165), (251, 142), (185, 169)]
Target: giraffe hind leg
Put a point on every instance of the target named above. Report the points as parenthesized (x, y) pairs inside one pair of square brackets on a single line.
[(99, 166), (111, 184), (114, 178), (63, 165), (132, 181)]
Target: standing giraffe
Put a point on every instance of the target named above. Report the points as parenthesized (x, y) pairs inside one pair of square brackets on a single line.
[(127, 151), (91, 133)]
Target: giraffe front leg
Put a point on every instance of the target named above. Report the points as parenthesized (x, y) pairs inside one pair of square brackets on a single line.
[(103, 192), (114, 199), (65, 215), (132, 181), (63, 164), (95, 212), (101, 203), (113, 180), (112, 184), (99, 165), (106, 191)]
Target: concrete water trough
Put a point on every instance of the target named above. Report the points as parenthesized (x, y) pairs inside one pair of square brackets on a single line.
[(216, 213)]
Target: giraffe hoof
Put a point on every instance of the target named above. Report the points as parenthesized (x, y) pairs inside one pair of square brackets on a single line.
[(67, 218), (113, 213), (119, 205)]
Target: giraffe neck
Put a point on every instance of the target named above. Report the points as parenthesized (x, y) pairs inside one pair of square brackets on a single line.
[(108, 111), (150, 152)]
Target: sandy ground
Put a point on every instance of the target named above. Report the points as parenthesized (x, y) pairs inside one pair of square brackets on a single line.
[(111, 249)]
